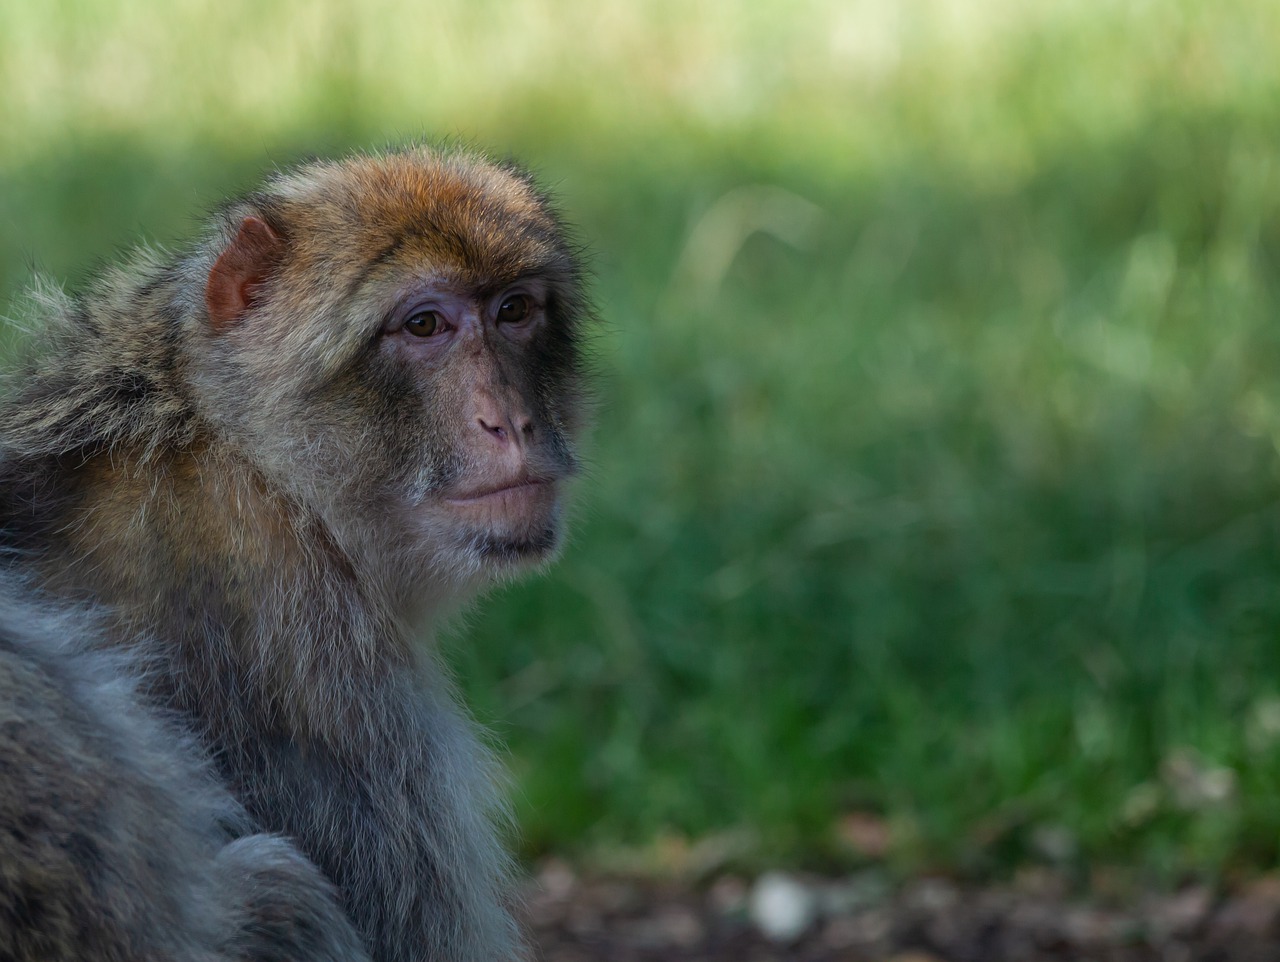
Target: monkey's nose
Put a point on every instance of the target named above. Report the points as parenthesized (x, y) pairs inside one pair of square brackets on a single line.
[(518, 428)]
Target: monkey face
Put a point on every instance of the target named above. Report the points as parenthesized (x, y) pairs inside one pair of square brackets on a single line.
[(475, 377), (413, 324)]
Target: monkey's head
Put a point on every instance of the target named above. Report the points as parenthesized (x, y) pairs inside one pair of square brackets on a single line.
[(393, 341)]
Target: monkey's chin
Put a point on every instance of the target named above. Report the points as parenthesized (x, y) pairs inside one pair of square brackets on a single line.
[(506, 551)]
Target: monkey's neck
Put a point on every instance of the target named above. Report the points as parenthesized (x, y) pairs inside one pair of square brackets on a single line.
[(247, 599)]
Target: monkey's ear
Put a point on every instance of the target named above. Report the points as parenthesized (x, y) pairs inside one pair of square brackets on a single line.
[(236, 280)]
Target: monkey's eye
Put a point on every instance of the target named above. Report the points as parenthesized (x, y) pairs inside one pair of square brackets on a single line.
[(423, 323), (514, 309)]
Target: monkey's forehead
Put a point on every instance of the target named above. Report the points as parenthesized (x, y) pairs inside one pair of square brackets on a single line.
[(456, 211)]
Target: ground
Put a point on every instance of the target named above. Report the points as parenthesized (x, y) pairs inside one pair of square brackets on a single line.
[(855, 919)]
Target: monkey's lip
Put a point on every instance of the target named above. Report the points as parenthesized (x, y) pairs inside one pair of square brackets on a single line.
[(517, 489)]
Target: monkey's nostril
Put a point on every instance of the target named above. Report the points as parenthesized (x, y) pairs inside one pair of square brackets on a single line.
[(497, 430)]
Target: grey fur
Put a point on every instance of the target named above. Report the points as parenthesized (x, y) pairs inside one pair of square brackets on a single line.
[(115, 838)]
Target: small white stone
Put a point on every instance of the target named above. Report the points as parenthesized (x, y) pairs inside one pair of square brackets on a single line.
[(782, 907)]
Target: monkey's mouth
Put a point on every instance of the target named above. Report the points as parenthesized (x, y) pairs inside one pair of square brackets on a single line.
[(509, 522), (521, 490)]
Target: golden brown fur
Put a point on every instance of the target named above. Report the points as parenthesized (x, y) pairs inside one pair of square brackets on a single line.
[(276, 486)]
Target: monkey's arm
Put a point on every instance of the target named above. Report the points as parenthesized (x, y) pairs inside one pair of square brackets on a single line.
[(113, 834)]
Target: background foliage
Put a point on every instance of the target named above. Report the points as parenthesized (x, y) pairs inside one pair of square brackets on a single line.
[(933, 515)]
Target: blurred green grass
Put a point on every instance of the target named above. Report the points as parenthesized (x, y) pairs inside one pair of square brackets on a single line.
[(935, 474)]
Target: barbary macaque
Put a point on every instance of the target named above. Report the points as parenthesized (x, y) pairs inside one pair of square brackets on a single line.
[(268, 466)]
